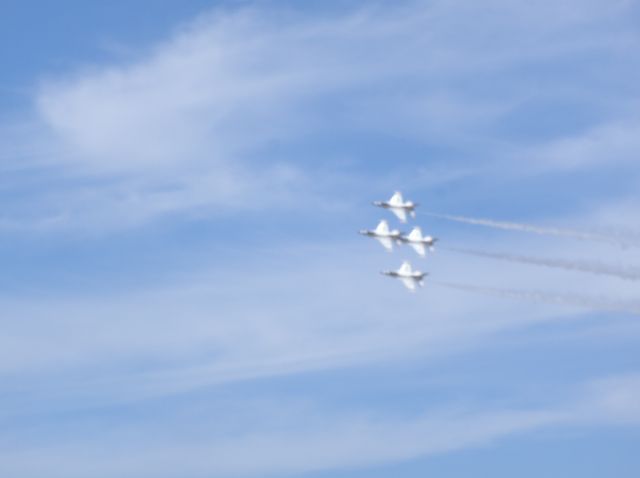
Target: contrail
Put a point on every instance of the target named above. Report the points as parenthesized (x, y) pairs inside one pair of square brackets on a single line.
[(627, 273), (593, 303), (545, 231)]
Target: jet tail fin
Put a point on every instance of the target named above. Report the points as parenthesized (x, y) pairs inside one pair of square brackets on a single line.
[(432, 247)]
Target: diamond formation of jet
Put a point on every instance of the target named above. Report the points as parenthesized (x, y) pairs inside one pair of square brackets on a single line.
[(409, 277)]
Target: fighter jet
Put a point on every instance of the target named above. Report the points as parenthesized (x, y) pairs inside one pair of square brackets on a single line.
[(398, 206), (408, 276), (419, 242), (383, 235)]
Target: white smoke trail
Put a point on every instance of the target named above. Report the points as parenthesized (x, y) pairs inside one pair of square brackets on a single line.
[(546, 231), (592, 303), (627, 273)]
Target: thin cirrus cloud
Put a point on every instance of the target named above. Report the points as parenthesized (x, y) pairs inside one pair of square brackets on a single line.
[(232, 326), (338, 443), (192, 124), (206, 121), (311, 439)]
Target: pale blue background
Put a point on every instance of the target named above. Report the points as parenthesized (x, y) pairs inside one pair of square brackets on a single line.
[(134, 338)]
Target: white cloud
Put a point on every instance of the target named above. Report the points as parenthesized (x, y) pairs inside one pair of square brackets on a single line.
[(341, 442), (192, 126), (304, 438), (610, 144), (238, 324), (196, 125), (613, 399)]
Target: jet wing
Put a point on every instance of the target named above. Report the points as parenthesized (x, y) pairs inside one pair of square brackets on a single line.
[(419, 248), (400, 214), (386, 242), (409, 283)]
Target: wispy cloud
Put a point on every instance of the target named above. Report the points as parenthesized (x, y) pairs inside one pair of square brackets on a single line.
[(199, 123), (255, 109), (612, 143), (309, 439), (343, 442), (238, 324)]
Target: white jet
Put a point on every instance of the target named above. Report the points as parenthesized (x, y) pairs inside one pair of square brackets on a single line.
[(419, 242), (398, 206), (383, 235), (408, 276)]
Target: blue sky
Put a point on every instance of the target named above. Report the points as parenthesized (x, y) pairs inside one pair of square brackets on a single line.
[(183, 291)]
